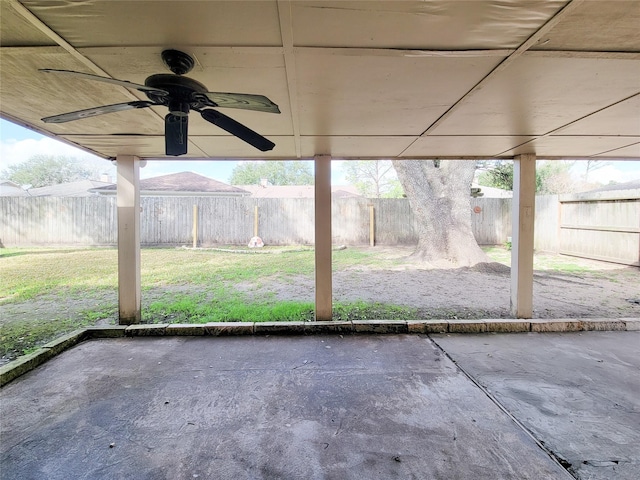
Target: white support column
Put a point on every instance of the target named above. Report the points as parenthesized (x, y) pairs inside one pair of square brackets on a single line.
[(324, 294), (523, 212), (129, 297)]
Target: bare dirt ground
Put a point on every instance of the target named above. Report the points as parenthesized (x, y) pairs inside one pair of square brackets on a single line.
[(564, 287), (593, 289), (589, 289)]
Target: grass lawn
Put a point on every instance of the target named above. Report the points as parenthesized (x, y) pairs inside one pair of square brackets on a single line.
[(36, 279), (45, 293)]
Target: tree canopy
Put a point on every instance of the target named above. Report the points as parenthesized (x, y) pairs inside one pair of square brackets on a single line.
[(373, 178), (275, 172), (498, 176), (44, 170), (551, 177)]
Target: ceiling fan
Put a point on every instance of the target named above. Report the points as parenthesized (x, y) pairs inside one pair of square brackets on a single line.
[(180, 94)]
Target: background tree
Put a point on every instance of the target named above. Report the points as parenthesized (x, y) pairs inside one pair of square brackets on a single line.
[(275, 172), (438, 192), (593, 165), (499, 176), (552, 177), (45, 170), (373, 178)]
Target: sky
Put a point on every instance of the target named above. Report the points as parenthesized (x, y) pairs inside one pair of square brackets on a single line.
[(18, 144)]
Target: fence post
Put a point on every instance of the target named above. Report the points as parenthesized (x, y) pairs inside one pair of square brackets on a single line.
[(559, 229), (372, 228), (195, 226), (255, 221)]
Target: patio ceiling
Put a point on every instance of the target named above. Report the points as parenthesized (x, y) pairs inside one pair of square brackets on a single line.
[(366, 79)]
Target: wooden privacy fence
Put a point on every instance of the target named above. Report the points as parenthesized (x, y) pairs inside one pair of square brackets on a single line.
[(603, 226), (597, 225), (26, 221)]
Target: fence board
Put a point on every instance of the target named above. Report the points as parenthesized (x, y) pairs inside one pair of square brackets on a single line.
[(491, 220), (26, 221), (546, 225), (605, 226)]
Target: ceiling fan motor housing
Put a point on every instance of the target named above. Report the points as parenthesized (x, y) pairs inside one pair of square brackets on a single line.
[(184, 93)]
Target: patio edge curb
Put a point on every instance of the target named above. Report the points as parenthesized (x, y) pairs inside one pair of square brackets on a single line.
[(26, 363)]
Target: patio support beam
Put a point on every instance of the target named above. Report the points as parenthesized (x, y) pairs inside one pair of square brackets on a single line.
[(324, 294), (523, 212), (129, 297)]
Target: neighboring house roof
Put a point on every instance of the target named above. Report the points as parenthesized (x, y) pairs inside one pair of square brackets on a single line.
[(298, 191), (344, 191), (81, 188), (181, 184), (632, 185), (11, 189)]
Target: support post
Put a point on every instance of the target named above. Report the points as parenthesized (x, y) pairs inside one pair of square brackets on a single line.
[(523, 213), (195, 226), (128, 202), (324, 294)]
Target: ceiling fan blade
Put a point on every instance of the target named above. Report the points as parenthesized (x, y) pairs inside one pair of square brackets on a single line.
[(92, 112), (235, 128), (245, 101), (176, 134), (122, 83)]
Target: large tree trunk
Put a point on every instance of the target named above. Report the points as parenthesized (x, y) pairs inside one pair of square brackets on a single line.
[(439, 195)]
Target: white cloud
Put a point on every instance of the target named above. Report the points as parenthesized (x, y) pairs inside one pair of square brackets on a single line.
[(13, 152), (610, 173), (18, 151)]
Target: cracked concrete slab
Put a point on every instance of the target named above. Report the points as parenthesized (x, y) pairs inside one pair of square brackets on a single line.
[(578, 393), (320, 407)]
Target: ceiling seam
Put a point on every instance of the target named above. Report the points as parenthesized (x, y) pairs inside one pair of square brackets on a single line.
[(192, 142), (567, 125), (215, 50), (36, 22), (549, 24), (616, 149), (44, 28), (590, 55), (396, 52), (556, 130), (286, 35)]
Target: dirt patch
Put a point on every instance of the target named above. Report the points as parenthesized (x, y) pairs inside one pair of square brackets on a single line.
[(597, 290), (469, 293), (563, 288), (58, 305)]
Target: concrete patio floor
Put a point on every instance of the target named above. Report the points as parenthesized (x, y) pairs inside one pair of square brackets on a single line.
[(578, 393), (329, 407)]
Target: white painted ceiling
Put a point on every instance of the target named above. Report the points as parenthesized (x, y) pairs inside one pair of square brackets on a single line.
[(353, 79)]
